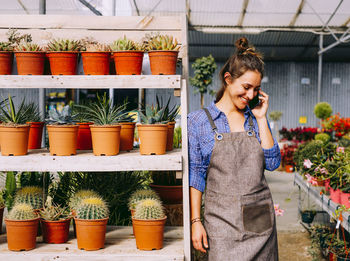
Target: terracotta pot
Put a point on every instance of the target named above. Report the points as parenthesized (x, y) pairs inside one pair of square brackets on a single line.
[(84, 136), (96, 63), (128, 62), (1, 216), (63, 139), (35, 135), (335, 195), (127, 136), (55, 232), (168, 194), (21, 234), (149, 234), (326, 185), (63, 63), (170, 136), (6, 59), (91, 234), (163, 62), (344, 199), (153, 138), (14, 140), (289, 168), (105, 139), (30, 63)]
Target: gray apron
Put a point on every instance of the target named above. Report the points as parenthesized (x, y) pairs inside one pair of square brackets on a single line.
[(239, 213)]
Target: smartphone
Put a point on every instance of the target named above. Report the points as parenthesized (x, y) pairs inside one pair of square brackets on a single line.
[(254, 102)]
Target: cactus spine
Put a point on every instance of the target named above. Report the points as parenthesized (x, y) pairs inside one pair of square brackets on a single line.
[(149, 209), (141, 194), (92, 208), (31, 195), (75, 200), (21, 211)]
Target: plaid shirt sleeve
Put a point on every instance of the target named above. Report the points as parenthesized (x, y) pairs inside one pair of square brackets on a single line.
[(197, 168), (272, 155)]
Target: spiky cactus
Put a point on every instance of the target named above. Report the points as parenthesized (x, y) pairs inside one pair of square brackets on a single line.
[(63, 45), (153, 115), (21, 211), (124, 44), (149, 209), (75, 200), (92, 208), (28, 47), (31, 195), (64, 117), (161, 42), (140, 195)]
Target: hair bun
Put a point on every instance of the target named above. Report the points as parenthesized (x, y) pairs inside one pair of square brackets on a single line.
[(242, 45)]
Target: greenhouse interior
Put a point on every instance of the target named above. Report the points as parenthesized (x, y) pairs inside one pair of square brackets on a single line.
[(113, 115)]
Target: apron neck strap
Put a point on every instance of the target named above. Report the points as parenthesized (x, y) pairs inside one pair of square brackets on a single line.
[(218, 136), (250, 122)]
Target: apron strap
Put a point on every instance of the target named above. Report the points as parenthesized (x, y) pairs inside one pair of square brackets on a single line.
[(250, 131), (218, 136)]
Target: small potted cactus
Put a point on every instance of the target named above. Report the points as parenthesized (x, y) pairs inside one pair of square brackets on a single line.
[(30, 58), (21, 227), (31, 195), (36, 124), (91, 223), (2, 207), (55, 222), (148, 223), (63, 133), (140, 195), (6, 58), (105, 131), (96, 57), (152, 131), (63, 55), (14, 131), (162, 51), (128, 56)]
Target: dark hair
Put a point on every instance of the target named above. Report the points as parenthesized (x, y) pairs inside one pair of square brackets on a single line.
[(244, 59)]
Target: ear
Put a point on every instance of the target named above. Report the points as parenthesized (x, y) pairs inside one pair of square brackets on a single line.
[(228, 78)]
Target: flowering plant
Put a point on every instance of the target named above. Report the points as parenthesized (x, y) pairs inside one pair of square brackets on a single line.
[(339, 125), (287, 153), (298, 134), (278, 211)]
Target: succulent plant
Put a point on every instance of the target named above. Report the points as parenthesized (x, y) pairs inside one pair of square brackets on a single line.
[(92, 208), (63, 45), (32, 112), (15, 37), (152, 115), (102, 112), (149, 209), (75, 200), (169, 114), (54, 212), (27, 47), (124, 44), (21, 211), (5, 46), (8, 113), (161, 42), (90, 45), (60, 118), (140, 195), (31, 195)]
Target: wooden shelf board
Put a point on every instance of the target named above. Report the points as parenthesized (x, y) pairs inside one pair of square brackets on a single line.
[(41, 160), (120, 245)]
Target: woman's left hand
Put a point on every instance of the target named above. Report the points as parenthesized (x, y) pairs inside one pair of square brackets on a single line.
[(261, 110)]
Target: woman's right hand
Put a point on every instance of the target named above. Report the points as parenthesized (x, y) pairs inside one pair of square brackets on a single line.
[(199, 237)]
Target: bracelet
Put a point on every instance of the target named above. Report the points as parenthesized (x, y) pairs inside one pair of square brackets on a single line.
[(195, 220)]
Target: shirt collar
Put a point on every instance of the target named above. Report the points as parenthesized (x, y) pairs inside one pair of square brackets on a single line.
[(215, 112)]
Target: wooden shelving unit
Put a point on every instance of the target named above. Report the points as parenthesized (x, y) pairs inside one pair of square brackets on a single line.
[(119, 243)]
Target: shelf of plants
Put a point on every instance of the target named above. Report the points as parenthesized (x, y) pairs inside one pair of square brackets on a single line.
[(321, 199), (91, 81), (120, 245), (41, 160)]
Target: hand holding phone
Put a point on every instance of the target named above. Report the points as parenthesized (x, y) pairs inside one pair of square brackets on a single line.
[(254, 102)]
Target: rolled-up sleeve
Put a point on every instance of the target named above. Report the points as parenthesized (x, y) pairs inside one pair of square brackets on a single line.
[(197, 171), (272, 157)]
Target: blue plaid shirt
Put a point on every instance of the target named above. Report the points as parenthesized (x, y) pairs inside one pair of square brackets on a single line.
[(201, 143)]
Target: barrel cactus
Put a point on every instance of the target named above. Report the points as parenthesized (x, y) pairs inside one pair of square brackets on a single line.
[(31, 195), (21, 211), (141, 194), (149, 209), (92, 208), (75, 200)]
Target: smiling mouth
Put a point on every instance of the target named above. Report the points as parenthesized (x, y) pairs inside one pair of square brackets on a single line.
[(244, 100)]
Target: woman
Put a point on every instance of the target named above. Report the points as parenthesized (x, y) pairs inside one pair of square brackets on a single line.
[(230, 145)]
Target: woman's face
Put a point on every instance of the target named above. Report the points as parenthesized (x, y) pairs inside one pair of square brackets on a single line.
[(243, 89)]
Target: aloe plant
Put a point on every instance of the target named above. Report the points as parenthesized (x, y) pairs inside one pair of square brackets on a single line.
[(161, 42), (28, 47), (8, 113), (61, 118), (103, 112), (169, 114), (53, 212), (32, 112), (152, 115), (63, 45), (80, 113), (124, 44)]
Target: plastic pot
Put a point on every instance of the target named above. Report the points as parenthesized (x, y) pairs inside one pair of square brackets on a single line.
[(96, 63), (6, 60), (91, 234), (35, 135), (170, 136), (14, 140), (30, 63), (63, 139), (63, 63), (168, 194), (128, 62), (55, 232), (163, 62), (127, 136), (84, 136), (153, 138), (105, 139)]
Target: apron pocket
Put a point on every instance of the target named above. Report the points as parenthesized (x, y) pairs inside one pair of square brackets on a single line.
[(257, 218)]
